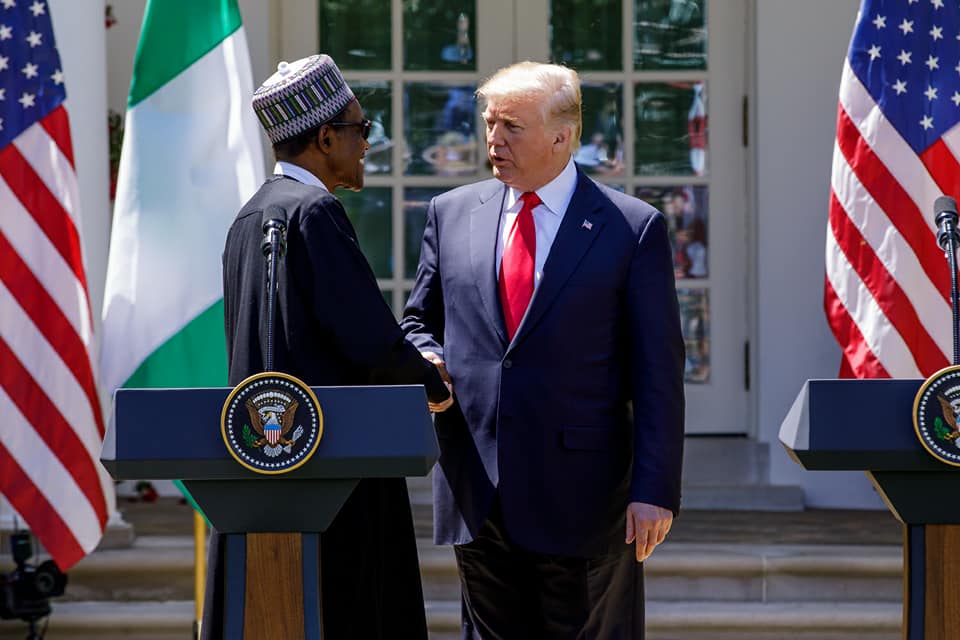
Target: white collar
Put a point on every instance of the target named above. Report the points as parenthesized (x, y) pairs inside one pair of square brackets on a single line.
[(298, 173), (556, 194)]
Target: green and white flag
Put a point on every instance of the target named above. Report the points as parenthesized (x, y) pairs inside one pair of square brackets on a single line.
[(191, 157)]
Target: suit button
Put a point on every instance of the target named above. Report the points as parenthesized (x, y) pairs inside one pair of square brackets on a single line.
[(507, 363)]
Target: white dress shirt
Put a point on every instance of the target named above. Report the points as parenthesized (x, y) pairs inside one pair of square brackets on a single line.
[(555, 197), (298, 173)]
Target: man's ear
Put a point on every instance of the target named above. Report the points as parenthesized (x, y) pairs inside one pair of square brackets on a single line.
[(324, 138)]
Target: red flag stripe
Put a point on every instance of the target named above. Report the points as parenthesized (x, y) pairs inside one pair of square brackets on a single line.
[(43, 155), (857, 353), (44, 365), (50, 321), (878, 332), (44, 207), (943, 167), (52, 427), (886, 291), (57, 125), (45, 262), (891, 197), (45, 522), (894, 253)]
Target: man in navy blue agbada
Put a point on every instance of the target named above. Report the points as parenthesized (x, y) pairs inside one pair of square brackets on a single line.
[(551, 302)]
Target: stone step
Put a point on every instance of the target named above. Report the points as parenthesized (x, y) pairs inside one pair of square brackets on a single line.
[(692, 620), (161, 568)]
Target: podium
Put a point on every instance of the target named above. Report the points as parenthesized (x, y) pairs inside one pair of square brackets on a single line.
[(272, 522), (867, 425)]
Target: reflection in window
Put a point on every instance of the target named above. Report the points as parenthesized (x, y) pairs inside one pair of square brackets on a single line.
[(685, 209), (440, 129), (415, 203), (671, 126), (439, 35), (374, 98), (586, 34), (601, 141), (695, 322), (670, 34), (369, 212), (342, 20)]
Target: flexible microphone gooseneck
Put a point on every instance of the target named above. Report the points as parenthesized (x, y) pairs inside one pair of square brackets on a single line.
[(945, 213), (274, 247)]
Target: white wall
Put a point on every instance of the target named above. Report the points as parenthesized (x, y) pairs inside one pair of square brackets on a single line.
[(801, 48)]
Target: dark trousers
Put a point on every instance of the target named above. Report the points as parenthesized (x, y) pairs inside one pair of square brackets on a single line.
[(509, 593)]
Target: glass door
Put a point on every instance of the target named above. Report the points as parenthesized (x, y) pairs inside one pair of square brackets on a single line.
[(663, 89)]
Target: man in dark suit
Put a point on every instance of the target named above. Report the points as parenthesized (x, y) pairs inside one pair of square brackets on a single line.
[(333, 327), (551, 301)]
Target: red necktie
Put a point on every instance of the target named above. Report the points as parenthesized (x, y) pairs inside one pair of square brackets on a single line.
[(517, 265)]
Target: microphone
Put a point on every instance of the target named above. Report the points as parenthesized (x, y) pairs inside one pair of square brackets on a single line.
[(945, 210), (274, 246), (275, 230)]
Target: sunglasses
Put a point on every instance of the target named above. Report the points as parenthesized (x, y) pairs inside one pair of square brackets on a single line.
[(365, 126)]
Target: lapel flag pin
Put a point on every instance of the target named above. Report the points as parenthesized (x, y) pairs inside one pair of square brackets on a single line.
[(587, 225)]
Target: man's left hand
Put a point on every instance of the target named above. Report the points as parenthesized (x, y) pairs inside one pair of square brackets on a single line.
[(648, 524)]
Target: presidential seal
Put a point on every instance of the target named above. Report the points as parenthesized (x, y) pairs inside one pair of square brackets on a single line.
[(271, 423), (935, 412)]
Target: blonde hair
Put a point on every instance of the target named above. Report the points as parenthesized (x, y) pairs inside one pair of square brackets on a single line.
[(559, 87)]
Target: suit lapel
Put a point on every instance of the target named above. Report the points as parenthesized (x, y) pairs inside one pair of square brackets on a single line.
[(581, 225), (484, 223)]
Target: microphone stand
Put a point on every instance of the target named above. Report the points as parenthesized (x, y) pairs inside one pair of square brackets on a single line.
[(952, 261), (274, 247)]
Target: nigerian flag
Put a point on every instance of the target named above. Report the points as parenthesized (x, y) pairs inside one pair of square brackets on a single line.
[(191, 157)]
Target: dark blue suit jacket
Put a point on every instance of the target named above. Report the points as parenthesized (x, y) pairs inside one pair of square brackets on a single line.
[(547, 418)]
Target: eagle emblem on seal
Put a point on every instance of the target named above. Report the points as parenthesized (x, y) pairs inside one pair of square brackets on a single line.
[(948, 432), (272, 415)]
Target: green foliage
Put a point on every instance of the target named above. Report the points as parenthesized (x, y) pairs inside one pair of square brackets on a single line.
[(939, 429), (248, 438)]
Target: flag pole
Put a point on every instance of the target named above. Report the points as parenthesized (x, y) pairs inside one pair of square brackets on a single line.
[(199, 568)]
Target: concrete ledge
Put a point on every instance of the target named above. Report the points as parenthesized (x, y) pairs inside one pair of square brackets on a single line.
[(109, 620), (743, 497), (665, 620), (743, 621)]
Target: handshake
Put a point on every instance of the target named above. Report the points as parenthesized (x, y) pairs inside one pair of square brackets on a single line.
[(437, 361)]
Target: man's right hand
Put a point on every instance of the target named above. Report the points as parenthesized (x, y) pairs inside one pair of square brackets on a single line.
[(440, 407), (437, 361)]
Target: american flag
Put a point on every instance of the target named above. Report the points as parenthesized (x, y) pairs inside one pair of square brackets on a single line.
[(51, 426), (896, 151)]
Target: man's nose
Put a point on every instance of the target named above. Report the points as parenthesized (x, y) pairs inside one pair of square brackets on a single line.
[(495, 135)]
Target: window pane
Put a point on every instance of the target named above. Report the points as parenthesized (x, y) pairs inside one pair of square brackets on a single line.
[(695, 320), (369, 211), (601, 141), (415, 203), (439, 35), (440, 128), (685, 208), (671, 125), (342, 20), (374, 97), (670, 34), (586, 34)]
